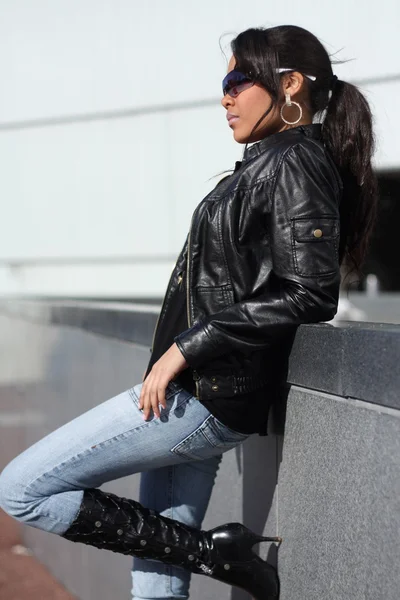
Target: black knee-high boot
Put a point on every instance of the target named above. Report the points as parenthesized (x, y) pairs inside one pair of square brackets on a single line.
[(224, 553)]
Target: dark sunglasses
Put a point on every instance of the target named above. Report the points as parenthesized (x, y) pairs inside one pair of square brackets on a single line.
[(236, 82)]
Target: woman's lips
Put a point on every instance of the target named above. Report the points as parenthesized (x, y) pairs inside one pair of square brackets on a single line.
[(231, 118)]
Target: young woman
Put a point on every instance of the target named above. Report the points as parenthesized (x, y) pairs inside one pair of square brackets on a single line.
[(262, 256)]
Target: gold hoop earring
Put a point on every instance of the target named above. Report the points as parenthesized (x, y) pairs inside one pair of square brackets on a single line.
[(290, 102)]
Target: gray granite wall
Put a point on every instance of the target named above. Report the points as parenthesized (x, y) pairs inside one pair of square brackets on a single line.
[(326, 478)]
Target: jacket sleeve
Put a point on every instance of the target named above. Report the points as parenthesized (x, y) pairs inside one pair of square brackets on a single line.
[(304, 229)]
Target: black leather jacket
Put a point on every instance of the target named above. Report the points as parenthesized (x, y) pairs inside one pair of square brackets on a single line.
[(262, 256)]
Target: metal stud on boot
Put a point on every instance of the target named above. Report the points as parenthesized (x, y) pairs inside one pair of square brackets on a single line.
[(224, 553)]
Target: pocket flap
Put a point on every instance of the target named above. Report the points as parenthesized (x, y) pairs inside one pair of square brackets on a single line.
[(315, 229)]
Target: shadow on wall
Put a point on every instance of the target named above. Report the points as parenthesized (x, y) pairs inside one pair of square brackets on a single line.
[(259, 481)]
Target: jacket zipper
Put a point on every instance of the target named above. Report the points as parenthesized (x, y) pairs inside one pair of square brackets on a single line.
[(155, 328), (160, 313), (196, 376), (180, 278)]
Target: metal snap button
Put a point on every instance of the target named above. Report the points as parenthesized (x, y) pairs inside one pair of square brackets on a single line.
[(167, 550), (317, 233), (227, 567), (143, 542), (120, 531), (215, 388), (191, 557), (213, 379), (98, 524)]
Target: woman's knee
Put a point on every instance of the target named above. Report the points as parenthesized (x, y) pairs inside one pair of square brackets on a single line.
[(14, 497)]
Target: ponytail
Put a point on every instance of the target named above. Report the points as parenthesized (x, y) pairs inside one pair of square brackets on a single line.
[(348, 135)]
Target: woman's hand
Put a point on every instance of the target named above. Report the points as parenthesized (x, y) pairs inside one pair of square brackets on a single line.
[(153, 389)]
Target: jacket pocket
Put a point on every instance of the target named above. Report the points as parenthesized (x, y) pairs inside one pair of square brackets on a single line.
[(209, 439), (315, 245), (211, 299)]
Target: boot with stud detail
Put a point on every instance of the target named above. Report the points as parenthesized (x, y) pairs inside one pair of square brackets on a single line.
[(224, 553)]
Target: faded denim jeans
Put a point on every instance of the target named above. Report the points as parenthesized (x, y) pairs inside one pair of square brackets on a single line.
[(178, 456)]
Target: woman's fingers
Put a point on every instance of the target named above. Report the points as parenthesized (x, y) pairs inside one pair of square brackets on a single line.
[(146, 407), (153, 389), (161, 395), (151, 396), (154, 404), (142, 396)]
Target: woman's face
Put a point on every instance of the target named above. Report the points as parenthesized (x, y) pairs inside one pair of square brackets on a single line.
[(246, 109)]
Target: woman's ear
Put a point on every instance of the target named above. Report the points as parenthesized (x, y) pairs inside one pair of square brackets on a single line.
[(293, 83)]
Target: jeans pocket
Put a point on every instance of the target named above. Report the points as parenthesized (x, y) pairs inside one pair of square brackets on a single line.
[(209, 439), (175, 396)]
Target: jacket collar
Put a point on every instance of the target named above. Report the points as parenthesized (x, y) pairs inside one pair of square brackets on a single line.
[(312, 130)]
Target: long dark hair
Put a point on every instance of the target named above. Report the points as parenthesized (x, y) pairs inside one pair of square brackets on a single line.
[(346, 129)]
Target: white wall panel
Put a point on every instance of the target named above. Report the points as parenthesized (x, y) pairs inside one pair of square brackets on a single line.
[(93, 189), (102, 207), (86, 280), (65, 57)]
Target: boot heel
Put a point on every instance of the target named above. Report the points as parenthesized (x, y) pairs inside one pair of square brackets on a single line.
[(260, 538), (239, 565)]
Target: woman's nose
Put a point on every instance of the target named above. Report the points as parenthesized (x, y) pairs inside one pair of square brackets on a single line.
[(227, 101)]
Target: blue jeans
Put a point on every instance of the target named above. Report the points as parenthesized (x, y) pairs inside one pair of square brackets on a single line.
[(177, 454)]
